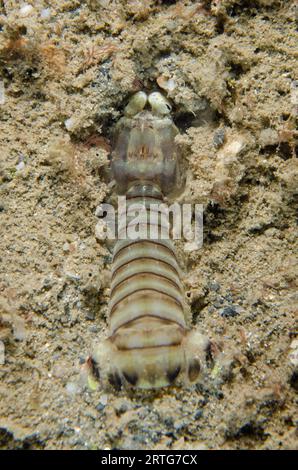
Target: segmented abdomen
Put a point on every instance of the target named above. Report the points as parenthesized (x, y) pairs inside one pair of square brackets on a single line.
[(145, 279)]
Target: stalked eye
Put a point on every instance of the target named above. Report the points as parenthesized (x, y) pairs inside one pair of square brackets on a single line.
[(159, 104), (136, 104), (194, 370)]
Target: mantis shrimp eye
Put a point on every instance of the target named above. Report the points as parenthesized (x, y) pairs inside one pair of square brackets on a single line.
[(159, 104), (136, 104)]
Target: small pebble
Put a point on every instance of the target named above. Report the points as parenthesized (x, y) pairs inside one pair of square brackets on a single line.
[(45, 14), (2, 93), (232, 311), (104, 399), (214, 286), (20, 166), (103, 403), (65, 247), (72, 388), (100, 407), (26, 10), (232, 148), (90, 316), (69, 124), (199, 414), (229, 297), (2, 353), (93, 329), (219, 137), (72, 276)]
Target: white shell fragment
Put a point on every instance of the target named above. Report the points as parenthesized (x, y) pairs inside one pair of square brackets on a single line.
[(69, 123), (159, 104), (26, 10), (45, 14), (20, 166), (268, 136), (166, 84), (232, 148), (136, 104)]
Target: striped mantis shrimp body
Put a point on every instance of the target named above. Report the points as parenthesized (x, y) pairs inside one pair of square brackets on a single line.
[(149, 345)]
